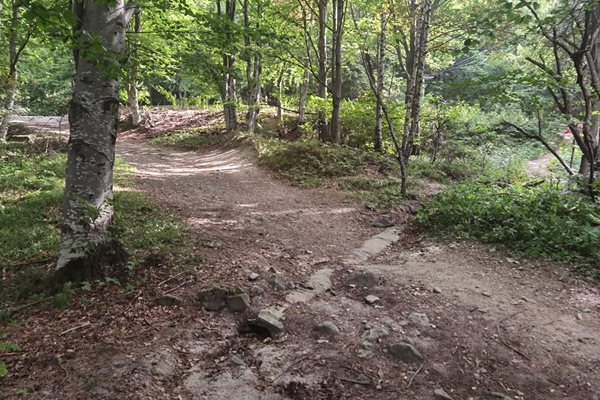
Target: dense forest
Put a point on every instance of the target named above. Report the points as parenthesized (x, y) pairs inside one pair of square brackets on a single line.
[(160, 159)]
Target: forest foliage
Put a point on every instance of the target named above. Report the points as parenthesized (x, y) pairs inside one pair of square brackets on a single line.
[(375, 96)]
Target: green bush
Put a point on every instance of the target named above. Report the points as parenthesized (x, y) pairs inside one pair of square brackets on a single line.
[(308, 163), (539, 221), (196, 138), (31, 194)]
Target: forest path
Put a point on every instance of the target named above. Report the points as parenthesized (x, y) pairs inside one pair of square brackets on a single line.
[(227, 198), (527, 329), (486, 325), (540, 166)]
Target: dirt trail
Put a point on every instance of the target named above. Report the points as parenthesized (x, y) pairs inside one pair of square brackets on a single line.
[(524, 331), (539, 166), (486, 326)]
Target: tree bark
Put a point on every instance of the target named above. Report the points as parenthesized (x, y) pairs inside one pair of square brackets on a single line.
[(229, 91), (87, 243), (132, 88), (253, 68), (378, 137), (336, 70), (322, 75), (280, 112), (303, 96), (13, 57), (416, 68)]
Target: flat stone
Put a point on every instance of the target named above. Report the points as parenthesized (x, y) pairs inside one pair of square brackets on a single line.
[(374, 334), (436, 290), (370, 299), (238, 303), (163, 369), (213, 297), (270, 321), (236, 362), (419, 319), (169, 300), (440, 394), (277, 282), (500, 396), (366, 351), (253, 276), (364, 279), (327, 328), (256, 291), (405, 352), (382, 223)]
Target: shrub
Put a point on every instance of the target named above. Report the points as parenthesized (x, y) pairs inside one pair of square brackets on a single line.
[(539, 221), (307, 163)]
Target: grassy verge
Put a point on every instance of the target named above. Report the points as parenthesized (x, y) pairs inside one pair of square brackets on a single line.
[(541, 221), (196, 138), (31, 193)]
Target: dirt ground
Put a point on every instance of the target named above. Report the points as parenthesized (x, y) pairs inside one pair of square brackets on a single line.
[(487, 325)]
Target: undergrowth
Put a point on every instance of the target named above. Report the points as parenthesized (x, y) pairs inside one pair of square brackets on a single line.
[(541, 221), (196, 138), (308, 163), (31, 194)]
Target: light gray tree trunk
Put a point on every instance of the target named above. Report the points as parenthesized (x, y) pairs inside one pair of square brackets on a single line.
[(303, 95), (87, 244), (415, 65), (336, 70), (378, 137), (13, 57), (322, 75), (132, 86), (280, 112), (229, 92), (253, 67)]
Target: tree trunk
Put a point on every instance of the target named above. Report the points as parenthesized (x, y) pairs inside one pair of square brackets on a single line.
[(132, 89), (253, 68), (415, 67), (229, 81), (336, 70), (280, 111), (11, 93), (87, 243), (303, 96), (378, 137), (322, 75)]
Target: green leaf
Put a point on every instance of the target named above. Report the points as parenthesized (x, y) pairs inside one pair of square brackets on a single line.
[(3, 370)]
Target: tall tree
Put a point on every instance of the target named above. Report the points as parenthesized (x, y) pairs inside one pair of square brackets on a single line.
[(16, 45), (133, 73), (339, 16), (229, 89), (87, 245), (252, 43)]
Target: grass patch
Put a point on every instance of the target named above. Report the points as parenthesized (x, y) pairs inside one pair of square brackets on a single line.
[(542, 221), (308, 163), (31, 195), (197, 138)]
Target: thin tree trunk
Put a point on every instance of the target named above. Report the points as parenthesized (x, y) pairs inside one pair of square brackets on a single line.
[(132, 89), (87, 244), (229, 81), (415, 86), (378, 137), (303, 96), (322, 75), (253, 68), (280, 113), (11, 93), (336, 71)]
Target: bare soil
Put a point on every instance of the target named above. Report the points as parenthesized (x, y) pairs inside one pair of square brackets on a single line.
[(498, 326)]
